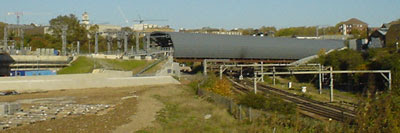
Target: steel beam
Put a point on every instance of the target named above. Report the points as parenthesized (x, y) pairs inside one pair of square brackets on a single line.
[(5, 41), (320, 80), (125, 43), (96, 43), (331, 86), (137, 42), (328, 72)]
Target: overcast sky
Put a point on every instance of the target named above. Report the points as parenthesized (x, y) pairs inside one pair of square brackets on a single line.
[(213, 13)]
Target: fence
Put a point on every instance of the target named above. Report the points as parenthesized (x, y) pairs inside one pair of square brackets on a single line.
[(240, 112)]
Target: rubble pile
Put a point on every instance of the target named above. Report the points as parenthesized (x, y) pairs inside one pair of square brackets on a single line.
[(37, 113)]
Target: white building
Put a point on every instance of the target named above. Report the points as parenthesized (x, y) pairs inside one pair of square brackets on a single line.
[(139, 27), (85, 18)]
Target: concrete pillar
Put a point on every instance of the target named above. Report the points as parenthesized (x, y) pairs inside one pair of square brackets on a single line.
[(262, 71), (5, 39), (137, 57), (148, 57), (220, 72), (255, 83), (119, 46), (96, 43), (331, 92), (72, 48), (64, 41), (148, 42), (241, 73), (137, 42), (78, 47), (320, 79), (108, 45), (273, 76), (205, 67), (132, 50), (22, 39), (125, 43)]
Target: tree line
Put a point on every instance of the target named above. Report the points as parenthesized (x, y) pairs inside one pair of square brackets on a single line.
[(36, 37)]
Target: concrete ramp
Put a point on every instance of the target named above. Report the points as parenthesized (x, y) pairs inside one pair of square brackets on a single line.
[(78, 81)]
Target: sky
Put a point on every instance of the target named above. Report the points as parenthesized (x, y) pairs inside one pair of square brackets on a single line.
[(191, 14)]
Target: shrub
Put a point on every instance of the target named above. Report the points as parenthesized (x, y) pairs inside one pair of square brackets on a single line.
[(256, 101), (219, 86), (271, 103)]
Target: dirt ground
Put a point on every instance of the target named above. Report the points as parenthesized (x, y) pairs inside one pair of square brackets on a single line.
[(129, 114)]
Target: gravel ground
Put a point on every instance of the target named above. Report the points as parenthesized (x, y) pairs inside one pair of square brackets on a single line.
[(135, 108)]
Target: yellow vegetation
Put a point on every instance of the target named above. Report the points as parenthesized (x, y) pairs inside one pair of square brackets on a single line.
[(221, 86)]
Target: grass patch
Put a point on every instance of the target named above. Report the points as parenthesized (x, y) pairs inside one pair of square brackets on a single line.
[(124, 65), (80, 65), (86, 65)]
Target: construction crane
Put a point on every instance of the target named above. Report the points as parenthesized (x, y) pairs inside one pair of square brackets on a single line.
[(123, 15), (140, 20), (20, 14)]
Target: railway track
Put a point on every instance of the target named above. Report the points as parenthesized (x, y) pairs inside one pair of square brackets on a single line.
[(309, 107)]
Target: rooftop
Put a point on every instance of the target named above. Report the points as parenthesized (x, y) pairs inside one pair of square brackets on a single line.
[(354, 21)]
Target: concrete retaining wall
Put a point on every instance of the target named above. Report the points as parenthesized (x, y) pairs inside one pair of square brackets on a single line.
[(78, 81), (34, 58)]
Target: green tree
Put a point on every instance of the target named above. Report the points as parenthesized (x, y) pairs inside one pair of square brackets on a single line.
[(248, 31), (359, 34), (75, 32), (297, 31), (264, 29)]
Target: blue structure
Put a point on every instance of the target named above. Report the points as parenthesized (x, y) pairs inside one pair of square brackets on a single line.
[(33, 73)]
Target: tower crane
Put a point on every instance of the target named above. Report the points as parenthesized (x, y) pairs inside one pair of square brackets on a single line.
[(20, 14), (140, 20)]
